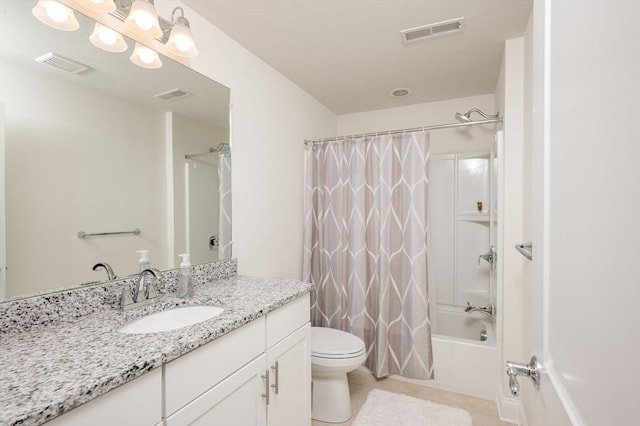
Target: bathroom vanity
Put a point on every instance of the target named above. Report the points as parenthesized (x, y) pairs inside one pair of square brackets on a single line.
[(250, 365)]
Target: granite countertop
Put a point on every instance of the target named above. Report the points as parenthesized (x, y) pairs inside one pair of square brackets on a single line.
[(47, 371)]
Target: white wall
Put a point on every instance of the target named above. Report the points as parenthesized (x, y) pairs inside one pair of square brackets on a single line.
[(441, 112), (54, 168), (509, 95)]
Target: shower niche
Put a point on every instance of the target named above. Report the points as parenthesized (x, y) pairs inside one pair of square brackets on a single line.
[(462, 222)]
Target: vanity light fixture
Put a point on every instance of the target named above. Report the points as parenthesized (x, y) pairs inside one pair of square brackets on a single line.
[(181, 39), (145, 57), (55, 15), (107, 39), (106, 6), (143, 19)]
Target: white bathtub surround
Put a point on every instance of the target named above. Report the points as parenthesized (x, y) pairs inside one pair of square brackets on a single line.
[(365, 246), (462, 363), (384, 408)]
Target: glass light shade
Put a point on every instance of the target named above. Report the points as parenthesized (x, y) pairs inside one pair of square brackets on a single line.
[(107, 39), (106, 6), (145, 57), (143, 19), (181, 41), (55, 15)]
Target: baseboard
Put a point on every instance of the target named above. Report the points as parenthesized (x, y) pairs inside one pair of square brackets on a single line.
[(510, 410)]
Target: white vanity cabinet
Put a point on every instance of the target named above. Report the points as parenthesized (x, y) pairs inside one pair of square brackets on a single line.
[(259, 374), (136, 403), (289, 364)]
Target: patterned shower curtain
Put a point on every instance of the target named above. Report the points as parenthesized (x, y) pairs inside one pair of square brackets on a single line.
[(224, 221), (365, 246)]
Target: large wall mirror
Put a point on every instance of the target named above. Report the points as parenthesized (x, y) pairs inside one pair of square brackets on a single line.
[(99, 152)]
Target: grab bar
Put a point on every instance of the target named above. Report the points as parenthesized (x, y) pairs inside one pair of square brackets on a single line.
[(525, 249), (82, 234)]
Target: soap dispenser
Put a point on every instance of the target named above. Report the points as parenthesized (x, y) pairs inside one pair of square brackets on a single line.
[(143, 262), (185, 285)]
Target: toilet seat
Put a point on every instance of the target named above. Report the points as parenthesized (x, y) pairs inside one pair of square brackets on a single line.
[(328, 343)]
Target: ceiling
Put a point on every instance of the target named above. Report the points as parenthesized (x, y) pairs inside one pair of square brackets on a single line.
[(349, 55)]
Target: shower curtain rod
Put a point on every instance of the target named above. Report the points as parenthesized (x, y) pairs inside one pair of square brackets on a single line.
[(413, 129), (221, 149)]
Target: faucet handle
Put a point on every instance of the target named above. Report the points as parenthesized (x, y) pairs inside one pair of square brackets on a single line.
[(125, 299)]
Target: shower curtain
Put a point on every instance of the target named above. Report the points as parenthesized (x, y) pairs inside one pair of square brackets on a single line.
[(365, 246), (224, 220)]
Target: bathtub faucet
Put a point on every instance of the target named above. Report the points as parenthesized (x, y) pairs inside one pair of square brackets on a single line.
[(487, 309)]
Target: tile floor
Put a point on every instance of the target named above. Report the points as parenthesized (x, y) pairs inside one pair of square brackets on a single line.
[(483, 413)]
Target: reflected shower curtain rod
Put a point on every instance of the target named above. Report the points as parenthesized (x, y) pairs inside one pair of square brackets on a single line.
[(413, 129), (221, 149)]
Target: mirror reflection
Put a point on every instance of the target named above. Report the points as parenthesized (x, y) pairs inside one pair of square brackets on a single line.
[(103, 151)]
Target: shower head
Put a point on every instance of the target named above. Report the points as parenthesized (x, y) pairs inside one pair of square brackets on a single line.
[(466, 117)]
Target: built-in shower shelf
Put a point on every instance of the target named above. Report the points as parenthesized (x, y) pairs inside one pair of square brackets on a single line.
[(474, 217)]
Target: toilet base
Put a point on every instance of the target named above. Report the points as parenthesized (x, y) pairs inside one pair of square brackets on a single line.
[(331, 402)]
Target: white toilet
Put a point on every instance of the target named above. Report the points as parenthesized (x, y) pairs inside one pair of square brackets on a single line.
[(334, 353)]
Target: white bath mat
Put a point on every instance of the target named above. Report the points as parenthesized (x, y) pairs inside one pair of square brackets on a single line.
[(385, 408)]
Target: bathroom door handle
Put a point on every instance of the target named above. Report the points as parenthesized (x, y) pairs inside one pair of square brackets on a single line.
[(275, 381), (265, 376), (530, 370)]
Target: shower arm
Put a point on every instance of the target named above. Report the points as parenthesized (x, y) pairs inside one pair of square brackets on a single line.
[(496, 115)]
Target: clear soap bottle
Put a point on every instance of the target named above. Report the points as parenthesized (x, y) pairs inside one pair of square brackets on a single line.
[(185, 284), (143, 263)]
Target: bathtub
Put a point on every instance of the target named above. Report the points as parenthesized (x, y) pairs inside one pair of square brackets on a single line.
[(462, 363)]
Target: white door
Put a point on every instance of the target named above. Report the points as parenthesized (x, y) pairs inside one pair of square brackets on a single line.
[(580, 305)]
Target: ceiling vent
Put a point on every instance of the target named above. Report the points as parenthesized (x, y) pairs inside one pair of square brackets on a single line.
[(172, 95), (62, 63), (425, 32)]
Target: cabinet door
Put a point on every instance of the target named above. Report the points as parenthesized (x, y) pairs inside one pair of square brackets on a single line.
[(289, 364), (237, 400), (136, 403)]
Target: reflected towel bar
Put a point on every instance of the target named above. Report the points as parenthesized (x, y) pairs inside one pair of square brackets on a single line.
[(525, 249), (82, 234)]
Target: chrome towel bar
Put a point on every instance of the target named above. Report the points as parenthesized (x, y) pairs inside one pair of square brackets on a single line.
[(525, 249), (82, 234)]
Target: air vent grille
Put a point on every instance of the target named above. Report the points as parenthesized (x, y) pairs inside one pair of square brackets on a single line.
[(172, 95), (62, 63), (425, 32)]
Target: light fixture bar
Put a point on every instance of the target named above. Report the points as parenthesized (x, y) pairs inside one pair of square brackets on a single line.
[(122, 11)]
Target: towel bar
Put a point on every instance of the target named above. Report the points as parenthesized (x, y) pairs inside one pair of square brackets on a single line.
[(82, 234)]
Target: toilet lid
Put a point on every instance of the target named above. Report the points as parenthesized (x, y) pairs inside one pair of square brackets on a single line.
[(328, 342)]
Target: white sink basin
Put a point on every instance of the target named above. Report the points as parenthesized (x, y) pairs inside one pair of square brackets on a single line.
[(171, 319)]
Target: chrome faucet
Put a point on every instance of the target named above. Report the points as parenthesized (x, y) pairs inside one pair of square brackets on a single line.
[(104, 265), (486, 309), (128, 301), (145, 286)]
